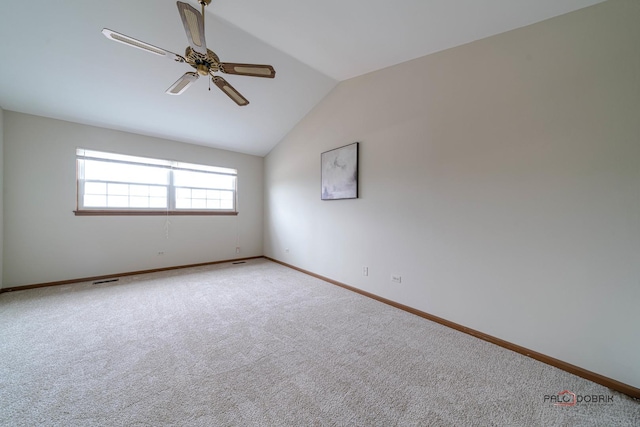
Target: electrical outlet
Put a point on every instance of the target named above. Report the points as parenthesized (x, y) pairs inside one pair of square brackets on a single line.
[(396, 278), (160, 253), (286, 250), (365, 271), (238, 249)]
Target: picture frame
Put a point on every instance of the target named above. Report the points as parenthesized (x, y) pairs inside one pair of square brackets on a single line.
[(339, 173)]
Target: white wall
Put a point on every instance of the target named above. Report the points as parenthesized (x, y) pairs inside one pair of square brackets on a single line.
[(45, 242), (1, 188), (500, 179)]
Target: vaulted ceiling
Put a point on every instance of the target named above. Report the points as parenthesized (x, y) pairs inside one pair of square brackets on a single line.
[(54, 61)]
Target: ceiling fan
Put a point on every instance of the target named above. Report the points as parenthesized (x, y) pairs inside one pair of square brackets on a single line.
[(205, 62)]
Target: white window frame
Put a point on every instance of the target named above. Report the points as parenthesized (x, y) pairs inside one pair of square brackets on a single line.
[(171, 166)]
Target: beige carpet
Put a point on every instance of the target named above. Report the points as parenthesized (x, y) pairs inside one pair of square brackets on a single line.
[(259, 344)]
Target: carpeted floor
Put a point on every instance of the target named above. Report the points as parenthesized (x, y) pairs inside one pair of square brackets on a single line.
[(259, 344)]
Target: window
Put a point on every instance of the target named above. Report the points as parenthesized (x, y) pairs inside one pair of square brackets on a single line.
[(118, 184)]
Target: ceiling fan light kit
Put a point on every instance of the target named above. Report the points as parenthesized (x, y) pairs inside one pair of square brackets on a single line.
[(203, 60)]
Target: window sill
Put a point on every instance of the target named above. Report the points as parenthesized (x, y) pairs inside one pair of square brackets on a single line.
[(113, 212)]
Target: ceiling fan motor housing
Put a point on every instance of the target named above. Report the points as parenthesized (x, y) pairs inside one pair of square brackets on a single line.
[(202, 63)]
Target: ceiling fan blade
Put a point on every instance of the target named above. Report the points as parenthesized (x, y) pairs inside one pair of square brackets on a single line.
[(130, 41), (182, 83), (253, 70), (193, 22), (230, 91)]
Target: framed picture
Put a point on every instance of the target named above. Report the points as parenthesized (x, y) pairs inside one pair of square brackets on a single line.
[(340, 173)]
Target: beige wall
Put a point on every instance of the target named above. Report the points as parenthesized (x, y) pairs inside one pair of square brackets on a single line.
[(45, 242), (1, 189), (500, 179)]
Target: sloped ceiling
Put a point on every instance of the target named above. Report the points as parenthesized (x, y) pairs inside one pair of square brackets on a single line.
[(56, 63)]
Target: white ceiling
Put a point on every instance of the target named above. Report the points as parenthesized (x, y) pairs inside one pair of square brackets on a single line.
[(56, 63)]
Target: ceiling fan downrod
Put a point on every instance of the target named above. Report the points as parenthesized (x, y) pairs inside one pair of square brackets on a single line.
[(204, 3)]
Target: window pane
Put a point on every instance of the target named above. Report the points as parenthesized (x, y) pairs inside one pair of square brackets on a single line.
[(139, 190), (226, 195), (213, 204), (226, 204), (122, 172), (157, 202), (203, 180), (95, 201), (118, 189), (183, 203), (198, 204), (95, 188), (138, 202), (199, 194), (82, 153), (213, 194), (157, 191), (117, 201), (183, 193), (206, 168)]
